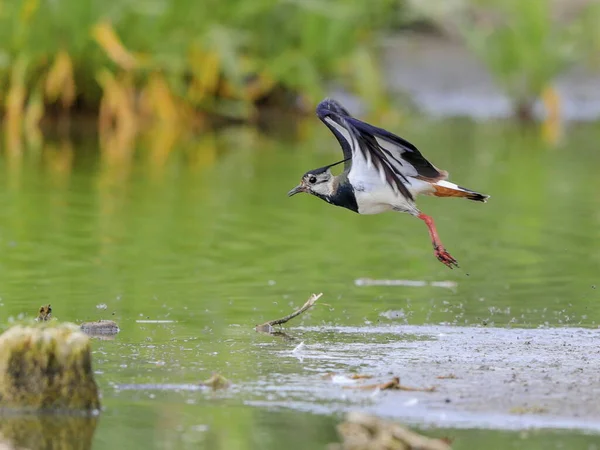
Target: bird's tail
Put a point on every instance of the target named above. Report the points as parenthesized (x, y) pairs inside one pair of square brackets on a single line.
[(446, 189)]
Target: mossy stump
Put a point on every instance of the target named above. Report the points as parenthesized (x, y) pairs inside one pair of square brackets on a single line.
[(47, 367)]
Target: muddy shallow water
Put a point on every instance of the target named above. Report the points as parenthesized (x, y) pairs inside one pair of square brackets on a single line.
[(505, 387), (498, 378)]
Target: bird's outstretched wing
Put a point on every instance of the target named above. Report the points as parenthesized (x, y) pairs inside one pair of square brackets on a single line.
[(368, 147)]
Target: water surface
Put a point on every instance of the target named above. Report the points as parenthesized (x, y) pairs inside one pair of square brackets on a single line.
[(204, 236)]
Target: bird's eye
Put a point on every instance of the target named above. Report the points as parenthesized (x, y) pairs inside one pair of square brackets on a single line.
[(312, 180)]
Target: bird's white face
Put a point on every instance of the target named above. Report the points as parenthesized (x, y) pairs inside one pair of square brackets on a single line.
[(319, 184)]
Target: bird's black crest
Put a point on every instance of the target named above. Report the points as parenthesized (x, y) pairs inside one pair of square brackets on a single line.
[(330, 105), (324, 169), (318, 171)]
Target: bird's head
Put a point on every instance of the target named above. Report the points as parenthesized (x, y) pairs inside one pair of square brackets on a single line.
[(319, 182)]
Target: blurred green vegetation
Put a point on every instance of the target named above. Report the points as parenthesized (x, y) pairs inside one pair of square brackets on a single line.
[(163, 59), (525, 45), (139, 62), (527, 49)]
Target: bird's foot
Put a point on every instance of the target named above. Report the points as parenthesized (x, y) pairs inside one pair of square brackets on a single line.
[(445, 257)]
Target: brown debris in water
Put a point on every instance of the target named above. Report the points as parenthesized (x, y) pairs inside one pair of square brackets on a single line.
[(361, 431), (450, 376), (267, 327), (534, 409), (217, 381), (45, 313), (393, 385), (358, 376), (277, 333), (104, 329), (353, 376)]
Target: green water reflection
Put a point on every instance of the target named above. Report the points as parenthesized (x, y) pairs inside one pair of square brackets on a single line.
[(207, 238)]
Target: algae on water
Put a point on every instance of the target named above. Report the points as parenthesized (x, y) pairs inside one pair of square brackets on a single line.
[(47, 367)]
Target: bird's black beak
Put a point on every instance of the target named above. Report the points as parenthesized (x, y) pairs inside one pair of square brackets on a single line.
[(297, 190)]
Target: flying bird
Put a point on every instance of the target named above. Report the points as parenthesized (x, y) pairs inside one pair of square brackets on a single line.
[(382, 172)]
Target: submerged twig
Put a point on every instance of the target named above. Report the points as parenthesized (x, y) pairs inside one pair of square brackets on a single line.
[(279, 334), (394, 384), (268, 326), (354, 376), (358, 376)]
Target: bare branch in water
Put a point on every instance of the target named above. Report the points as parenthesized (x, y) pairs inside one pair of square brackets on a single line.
[(267, 327)]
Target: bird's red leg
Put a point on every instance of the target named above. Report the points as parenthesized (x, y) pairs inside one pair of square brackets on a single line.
[(438, 248)]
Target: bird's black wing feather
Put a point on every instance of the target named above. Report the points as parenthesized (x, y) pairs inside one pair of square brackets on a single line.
[(393, 157), (399, 151), (329, 108)]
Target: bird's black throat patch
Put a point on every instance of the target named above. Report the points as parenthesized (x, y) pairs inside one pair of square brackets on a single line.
[(343, 196)]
